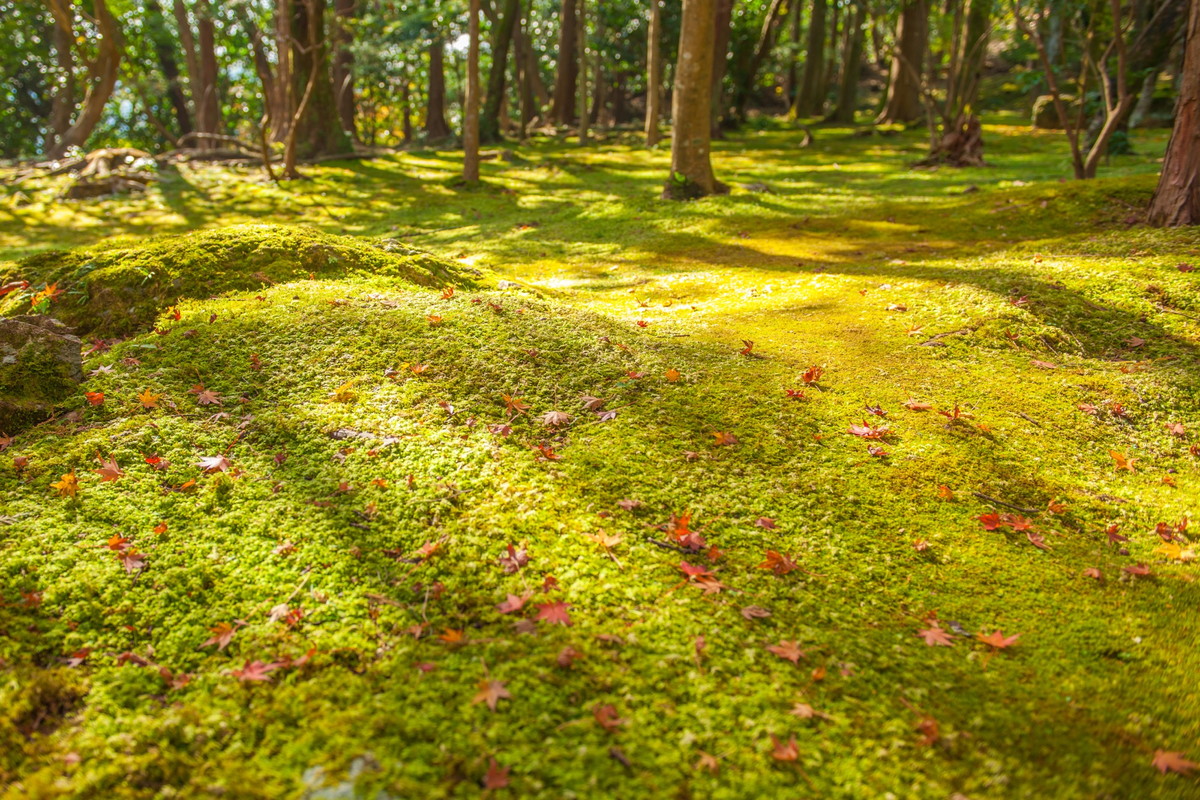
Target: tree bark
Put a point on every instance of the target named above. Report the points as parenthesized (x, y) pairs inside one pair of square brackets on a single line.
[(653, 73), (790, 75), (847, 102), (436, 128), (62, 105), (502, 36), (810, 100), (164, 50), (691, 168), (582, 78), (284, 72), (204, 90), (471, 104), (102, 77), (1177, 199), (903, 103), (343, 65), (318, 129), (720, 63), (562, 112), (526, 69), (273, 101)]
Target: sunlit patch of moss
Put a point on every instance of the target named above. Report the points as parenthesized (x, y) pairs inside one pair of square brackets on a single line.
[(867, 289), (121, 286)]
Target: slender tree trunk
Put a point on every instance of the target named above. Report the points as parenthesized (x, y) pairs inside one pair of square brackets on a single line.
[(319, 130), (436, 128), (762, 48), (62, 106), (530, 68), (164, 50), (653, 73), (903, 102), (691, 168), (1177, 199), (600, 86), (284, 96), (471, 106), (847, 102), (344, 12), (187, 41), (502, 36), (582, 51), (790, 74), (563, 110), (720, 63), (405, 110), (836, 44), (526, 99), (810, 100), (205, 92), (276, 110), (102, 78)]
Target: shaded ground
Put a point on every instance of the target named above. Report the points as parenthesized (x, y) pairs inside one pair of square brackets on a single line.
[(1057, 331)]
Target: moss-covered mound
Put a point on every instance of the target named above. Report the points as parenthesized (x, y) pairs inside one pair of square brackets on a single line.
[(119, 287), (309, 545)]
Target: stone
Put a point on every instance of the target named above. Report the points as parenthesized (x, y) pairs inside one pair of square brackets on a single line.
[(41, 365)]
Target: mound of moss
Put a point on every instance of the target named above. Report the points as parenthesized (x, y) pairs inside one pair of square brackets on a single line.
[(395, 537), (119, 287)]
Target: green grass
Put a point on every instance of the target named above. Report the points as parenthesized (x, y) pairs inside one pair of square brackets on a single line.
[(1052, 300)]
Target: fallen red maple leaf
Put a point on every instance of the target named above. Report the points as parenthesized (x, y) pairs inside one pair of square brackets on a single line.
[(554, 613), (789, 651)]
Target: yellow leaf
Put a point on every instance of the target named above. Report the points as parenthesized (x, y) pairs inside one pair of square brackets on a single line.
[(67, 486)]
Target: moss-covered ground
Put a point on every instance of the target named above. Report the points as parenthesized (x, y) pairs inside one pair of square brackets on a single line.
[(322, 463)]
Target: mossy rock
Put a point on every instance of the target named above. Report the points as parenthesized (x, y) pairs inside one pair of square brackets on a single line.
[(118, 288), (40, 367)]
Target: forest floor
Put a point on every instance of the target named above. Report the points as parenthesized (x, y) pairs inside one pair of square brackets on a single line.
[(321, 535)]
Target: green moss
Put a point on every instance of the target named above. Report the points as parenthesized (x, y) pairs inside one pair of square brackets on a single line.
[(1100, 678), (119, 287)]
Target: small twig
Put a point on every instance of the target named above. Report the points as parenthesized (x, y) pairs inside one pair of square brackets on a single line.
[(983, 496), (668, 546), (1028, 418), (1178, 313)]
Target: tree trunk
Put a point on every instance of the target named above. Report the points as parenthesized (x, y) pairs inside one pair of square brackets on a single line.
[(204, 89), (102, 77), (436, 128), (273, 101), (653, 73), (471, 105), (62, 105), (810, 100), (1177, 199), (164, 50), (790, 82), (762, 48), (526, 67), (691, 169), (502, 36), (903, 102), (847, 102), (582, 79), (343, 65), (318, 129), (567, 71), (720, 62), (283, 70), (187, 40)]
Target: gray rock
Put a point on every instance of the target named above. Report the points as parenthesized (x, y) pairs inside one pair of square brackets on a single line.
[(41, 365)]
